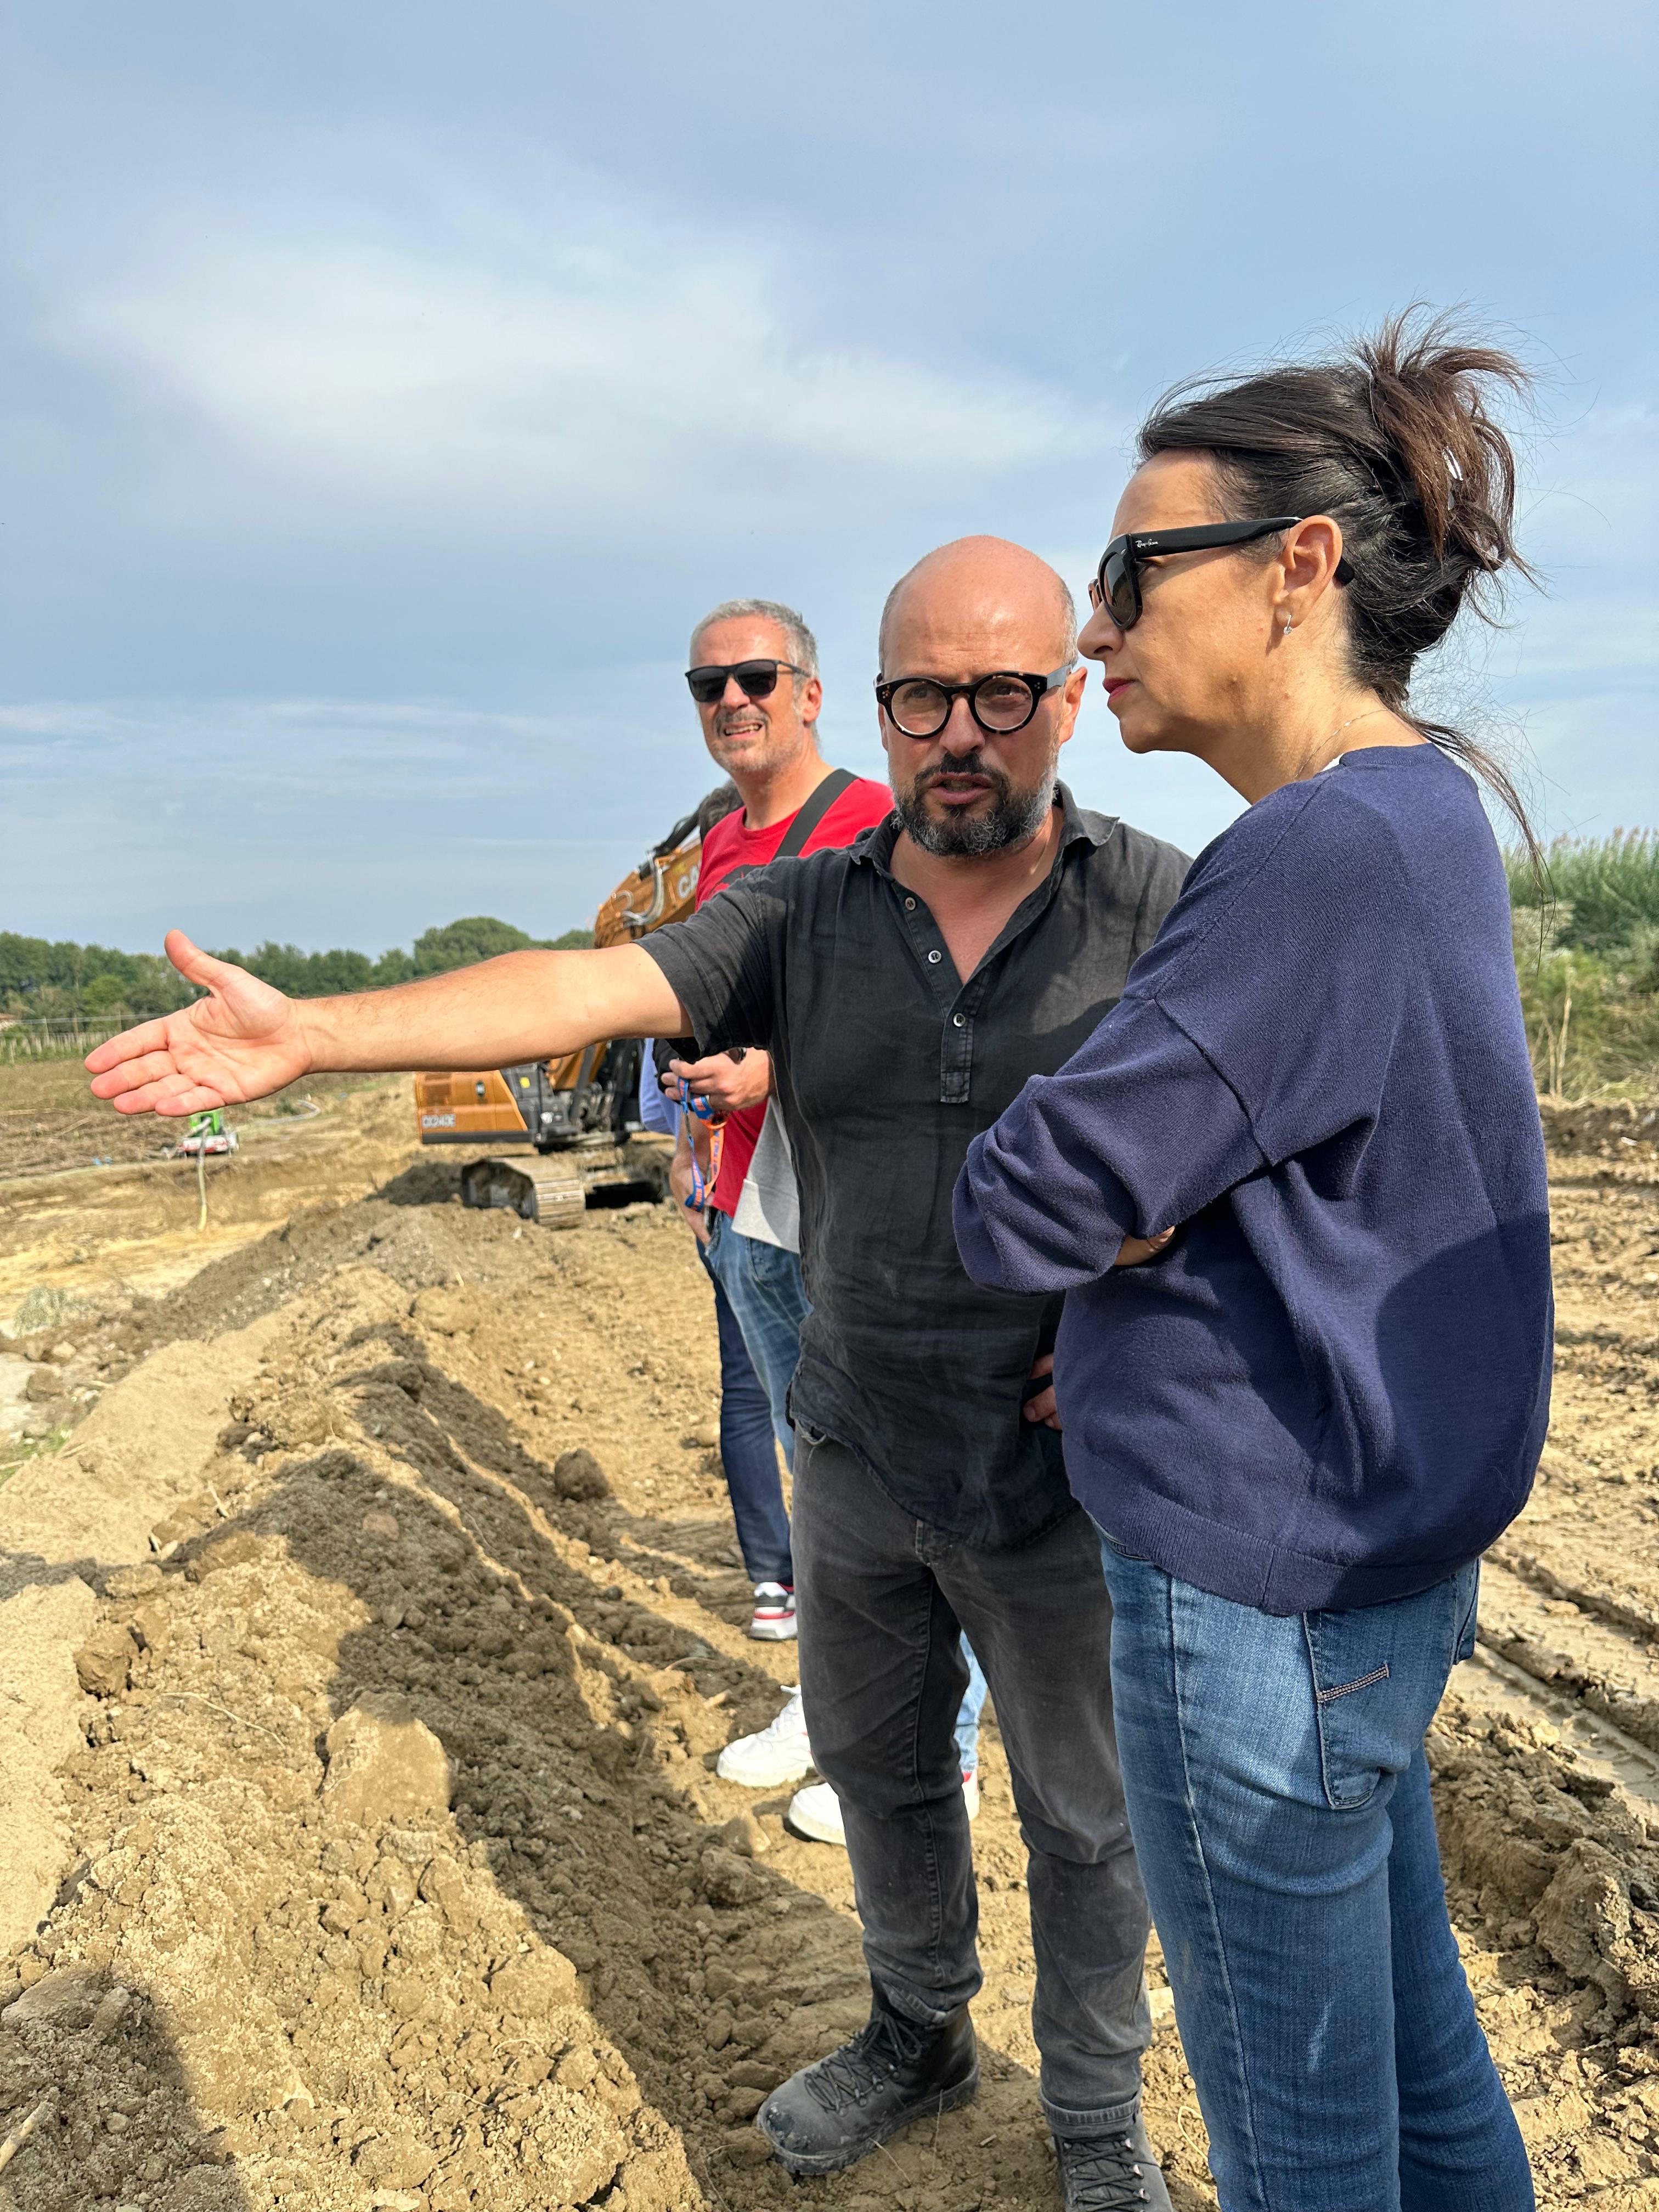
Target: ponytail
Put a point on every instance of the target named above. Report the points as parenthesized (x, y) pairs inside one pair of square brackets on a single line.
[(1396, 441)]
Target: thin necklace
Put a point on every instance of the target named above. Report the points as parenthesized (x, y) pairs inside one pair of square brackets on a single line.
[(1364, 715)]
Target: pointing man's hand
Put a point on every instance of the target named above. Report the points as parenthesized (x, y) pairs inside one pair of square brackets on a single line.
[(244, 1040)]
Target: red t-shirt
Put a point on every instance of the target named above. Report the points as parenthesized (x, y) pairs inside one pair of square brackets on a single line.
[(731, 850)]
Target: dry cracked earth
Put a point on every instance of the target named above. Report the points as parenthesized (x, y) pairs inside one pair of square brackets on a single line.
[(368, 1630)]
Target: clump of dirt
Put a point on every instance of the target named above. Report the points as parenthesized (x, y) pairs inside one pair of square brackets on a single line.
[(391, 1790), (1553, 1876)]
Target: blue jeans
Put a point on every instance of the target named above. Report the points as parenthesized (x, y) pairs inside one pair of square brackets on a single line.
[(1279, 1798), (764, 1283), (749, 1453), (972, 1705)]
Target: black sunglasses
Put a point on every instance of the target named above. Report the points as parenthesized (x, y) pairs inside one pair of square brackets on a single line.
[(1116, 585), (756, 679), (1002, 703)]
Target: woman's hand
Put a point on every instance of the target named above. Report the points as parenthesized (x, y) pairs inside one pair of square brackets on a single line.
[(1040, 1406), (1135, 1250)]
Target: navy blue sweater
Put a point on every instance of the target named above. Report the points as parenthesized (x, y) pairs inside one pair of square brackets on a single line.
[(1332, 1388)]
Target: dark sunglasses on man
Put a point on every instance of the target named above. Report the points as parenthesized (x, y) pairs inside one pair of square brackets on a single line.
[(1002, 703), (756, 679), (1117, 586)]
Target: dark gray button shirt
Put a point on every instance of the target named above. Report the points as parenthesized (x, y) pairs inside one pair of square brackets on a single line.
[(886, 1066)]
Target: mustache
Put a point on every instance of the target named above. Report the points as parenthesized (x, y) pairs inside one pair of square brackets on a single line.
[(974, 764)]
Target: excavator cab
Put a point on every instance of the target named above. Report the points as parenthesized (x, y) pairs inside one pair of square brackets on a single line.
[(553, 1104)]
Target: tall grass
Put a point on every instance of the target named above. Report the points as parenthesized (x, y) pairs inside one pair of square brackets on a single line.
[(1611, 884), (1588, 960)]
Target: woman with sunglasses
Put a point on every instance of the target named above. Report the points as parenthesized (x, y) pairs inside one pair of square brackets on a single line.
[(1301, 1422)]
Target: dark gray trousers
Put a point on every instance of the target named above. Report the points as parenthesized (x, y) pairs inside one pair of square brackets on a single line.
[(883, 1602)]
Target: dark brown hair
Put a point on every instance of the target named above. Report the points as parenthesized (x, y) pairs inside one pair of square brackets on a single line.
[(1393, 437)]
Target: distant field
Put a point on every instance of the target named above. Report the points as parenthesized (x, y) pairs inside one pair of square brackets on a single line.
[(49, 1119)]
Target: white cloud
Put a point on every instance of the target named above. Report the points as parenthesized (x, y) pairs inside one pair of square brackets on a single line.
[(588, 361)]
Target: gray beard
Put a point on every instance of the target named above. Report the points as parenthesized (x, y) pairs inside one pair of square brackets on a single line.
[(1014, 819)]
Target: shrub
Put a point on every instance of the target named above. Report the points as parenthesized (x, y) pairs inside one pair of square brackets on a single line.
[(1610, 884)]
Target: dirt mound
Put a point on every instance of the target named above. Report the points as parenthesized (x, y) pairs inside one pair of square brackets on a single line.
[(394, 1869), (1557, 1870), (1603, 1131)]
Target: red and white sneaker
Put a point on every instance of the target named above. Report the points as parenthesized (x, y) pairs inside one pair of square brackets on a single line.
[(774, 1613)]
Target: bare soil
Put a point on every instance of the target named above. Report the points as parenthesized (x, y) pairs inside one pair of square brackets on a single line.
[(70, 1229), (502, 1939), (50, 1121)]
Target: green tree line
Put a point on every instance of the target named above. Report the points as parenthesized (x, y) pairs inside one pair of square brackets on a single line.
[(1586, 949), (63, 981)]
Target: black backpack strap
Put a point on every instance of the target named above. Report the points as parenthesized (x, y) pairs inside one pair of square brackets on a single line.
[(813, 810), (807, 818)]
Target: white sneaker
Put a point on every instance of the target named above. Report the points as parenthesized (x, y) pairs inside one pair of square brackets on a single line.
[(816, 1811), (774, 1755), (774, 1613)]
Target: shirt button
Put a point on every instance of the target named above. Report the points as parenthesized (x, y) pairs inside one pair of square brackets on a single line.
[(961, 1020), (933, 959), (909, 906)]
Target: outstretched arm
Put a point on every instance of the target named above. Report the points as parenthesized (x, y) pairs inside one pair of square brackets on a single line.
[(247, 1040)]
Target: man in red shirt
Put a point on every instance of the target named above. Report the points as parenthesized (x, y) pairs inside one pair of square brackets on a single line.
[(754, 674)]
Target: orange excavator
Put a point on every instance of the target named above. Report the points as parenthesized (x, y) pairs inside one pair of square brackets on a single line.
[(579, 1114)]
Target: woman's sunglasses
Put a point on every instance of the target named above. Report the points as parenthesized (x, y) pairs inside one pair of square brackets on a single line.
[(1002, 704), (756, 679), (1116, 585)]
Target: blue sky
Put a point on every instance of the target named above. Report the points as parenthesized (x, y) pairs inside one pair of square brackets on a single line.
[(385, 389)]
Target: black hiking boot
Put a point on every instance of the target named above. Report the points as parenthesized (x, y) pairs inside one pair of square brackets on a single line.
[(1115, 2172), (892, 2072)]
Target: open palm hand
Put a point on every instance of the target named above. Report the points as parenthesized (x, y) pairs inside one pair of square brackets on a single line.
[(244, 1040)]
